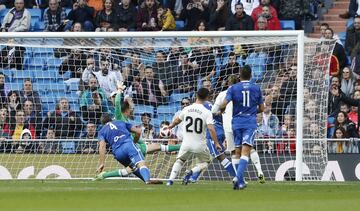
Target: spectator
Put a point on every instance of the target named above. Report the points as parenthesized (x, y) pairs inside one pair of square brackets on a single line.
[(90, 68), (270, 123), (147, 16), (54, 17), (50, 145), (12, 56), (261, 24), (249, 5), (337, 147), (240, 20), (218, 16), (334, 101), (126, 16), (200, 26), (75, 62), (338, 51), (288, 123), (152, 89), (18, 19), (178, 130), (273, 23), (29, 94), (3, 91), (231, 68), (13, 103), (352, 42), (4, 123), (353, 11), (64, 121), (83, 14), (163, 69), (17, 128), (288, 90), (107, 78), (166, 21), (353, 114), (68, 4), (347, 81), (89, 147), (193, 12), (342, 120), (98, 5), (293, 10), (183, 76), (106, 19), (147, 130), (203, 61), (93, 102), (259, 10), (32, 117), (323, 27)]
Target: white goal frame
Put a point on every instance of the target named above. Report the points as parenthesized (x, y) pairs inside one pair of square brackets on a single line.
[(300, 61)]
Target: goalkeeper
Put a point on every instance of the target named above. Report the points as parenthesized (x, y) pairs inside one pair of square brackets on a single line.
[(123, 112)]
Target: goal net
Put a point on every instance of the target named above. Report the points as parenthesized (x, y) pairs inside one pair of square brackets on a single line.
[(56, 86)]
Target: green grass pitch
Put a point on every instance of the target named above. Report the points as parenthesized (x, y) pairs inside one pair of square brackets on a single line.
[(114, 195)]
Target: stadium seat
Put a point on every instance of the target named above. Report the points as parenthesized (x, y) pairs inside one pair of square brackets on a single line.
[(36, 64), (167, 109), (19, 76), (16, 86), (46, 76), (71, 96), (180, 25), (167, 117), (178, 97), (140, 109), (342, 37), (43, 52), (54, 63), (3, 12), (73, 86), (75, 106), (287, 24), (58, 87), (8, 75), (68, 147), (35, 14), (41, 87)]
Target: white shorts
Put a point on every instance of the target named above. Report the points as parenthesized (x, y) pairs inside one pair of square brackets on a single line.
[(202, 156), (230, 144)]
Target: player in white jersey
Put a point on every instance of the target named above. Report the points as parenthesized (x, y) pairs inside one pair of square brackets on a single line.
[(196, 120), (229, 136)]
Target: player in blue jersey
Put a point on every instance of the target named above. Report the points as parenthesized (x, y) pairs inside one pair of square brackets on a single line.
[(219, 129), (118, 135), (247, 100)]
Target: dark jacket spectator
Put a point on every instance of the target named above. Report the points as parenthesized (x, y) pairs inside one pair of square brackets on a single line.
[(54, 17), (126, 16), (183, 76), (29, 94), (353, 8), (152, 89), (65, 121), (293, 10), (352, 42), (32, 117), (106, 19), (147, 16), (219, 14), (75, 63), (193, 12), (240, 20), (12, 57), (67, 3), (83, 14)]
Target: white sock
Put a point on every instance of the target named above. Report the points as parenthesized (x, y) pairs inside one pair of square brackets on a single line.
[(256, 161), (164, 148), (235, 162), (198, 167), (176, 169), (225, 163), (123, 172)]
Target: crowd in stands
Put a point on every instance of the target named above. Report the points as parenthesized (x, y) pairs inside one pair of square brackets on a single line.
[(155, 77)]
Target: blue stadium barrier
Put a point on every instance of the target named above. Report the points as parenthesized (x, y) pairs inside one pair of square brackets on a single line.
[(35, 14), (287, 24), (180, 25)]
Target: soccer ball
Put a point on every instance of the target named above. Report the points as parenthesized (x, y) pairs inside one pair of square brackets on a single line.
[(165, 132)]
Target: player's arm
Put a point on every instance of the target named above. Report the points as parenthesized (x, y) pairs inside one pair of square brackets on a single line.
[(118, 114), (216, 107), (176, 121), (261, 108), (137, 133), (227, 99), (223, 105), (102, 152)]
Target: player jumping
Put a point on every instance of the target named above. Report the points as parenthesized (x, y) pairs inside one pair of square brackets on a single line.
[(196, 118), (246, 98)]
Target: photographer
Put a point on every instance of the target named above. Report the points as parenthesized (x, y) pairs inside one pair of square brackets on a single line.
[(18, 19), (83, 14), (194, 11)]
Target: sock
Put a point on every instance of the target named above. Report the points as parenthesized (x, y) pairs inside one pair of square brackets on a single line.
[(138, 174), (235, 162), (195, 176), (145, 173), (228, 166), (115, 173), (199, 167), (123, 172), (241, 168), (169, 148), (176, 169), (256, 161)]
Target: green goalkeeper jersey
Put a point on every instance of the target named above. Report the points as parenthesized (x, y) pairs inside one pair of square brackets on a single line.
[(120, 116)]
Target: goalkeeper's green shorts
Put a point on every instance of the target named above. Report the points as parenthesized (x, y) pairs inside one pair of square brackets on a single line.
[(142, 146)]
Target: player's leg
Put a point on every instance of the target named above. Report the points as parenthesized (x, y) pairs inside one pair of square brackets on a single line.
[(156, 147), (204, 159), (247, 136), (220, 156), (255, 159), (178, 165), (230, 144), (115, 173), (137, 160)]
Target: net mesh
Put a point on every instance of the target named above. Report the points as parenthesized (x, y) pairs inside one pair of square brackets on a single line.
[(58, 88)]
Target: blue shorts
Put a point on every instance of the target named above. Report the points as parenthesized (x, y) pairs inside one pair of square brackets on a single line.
[(210, 144), (244, 136), (128, 154)]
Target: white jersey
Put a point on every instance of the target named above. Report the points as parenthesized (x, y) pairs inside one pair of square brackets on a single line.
[(178, 129), (227, 115), (195, 120)]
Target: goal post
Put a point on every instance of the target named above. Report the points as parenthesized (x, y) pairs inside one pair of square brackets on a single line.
[(273, 55)]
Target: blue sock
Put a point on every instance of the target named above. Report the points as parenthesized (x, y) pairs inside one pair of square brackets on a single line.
[(138, 174), (195, 176), (229, 167), (241, 168), (145, 173)]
